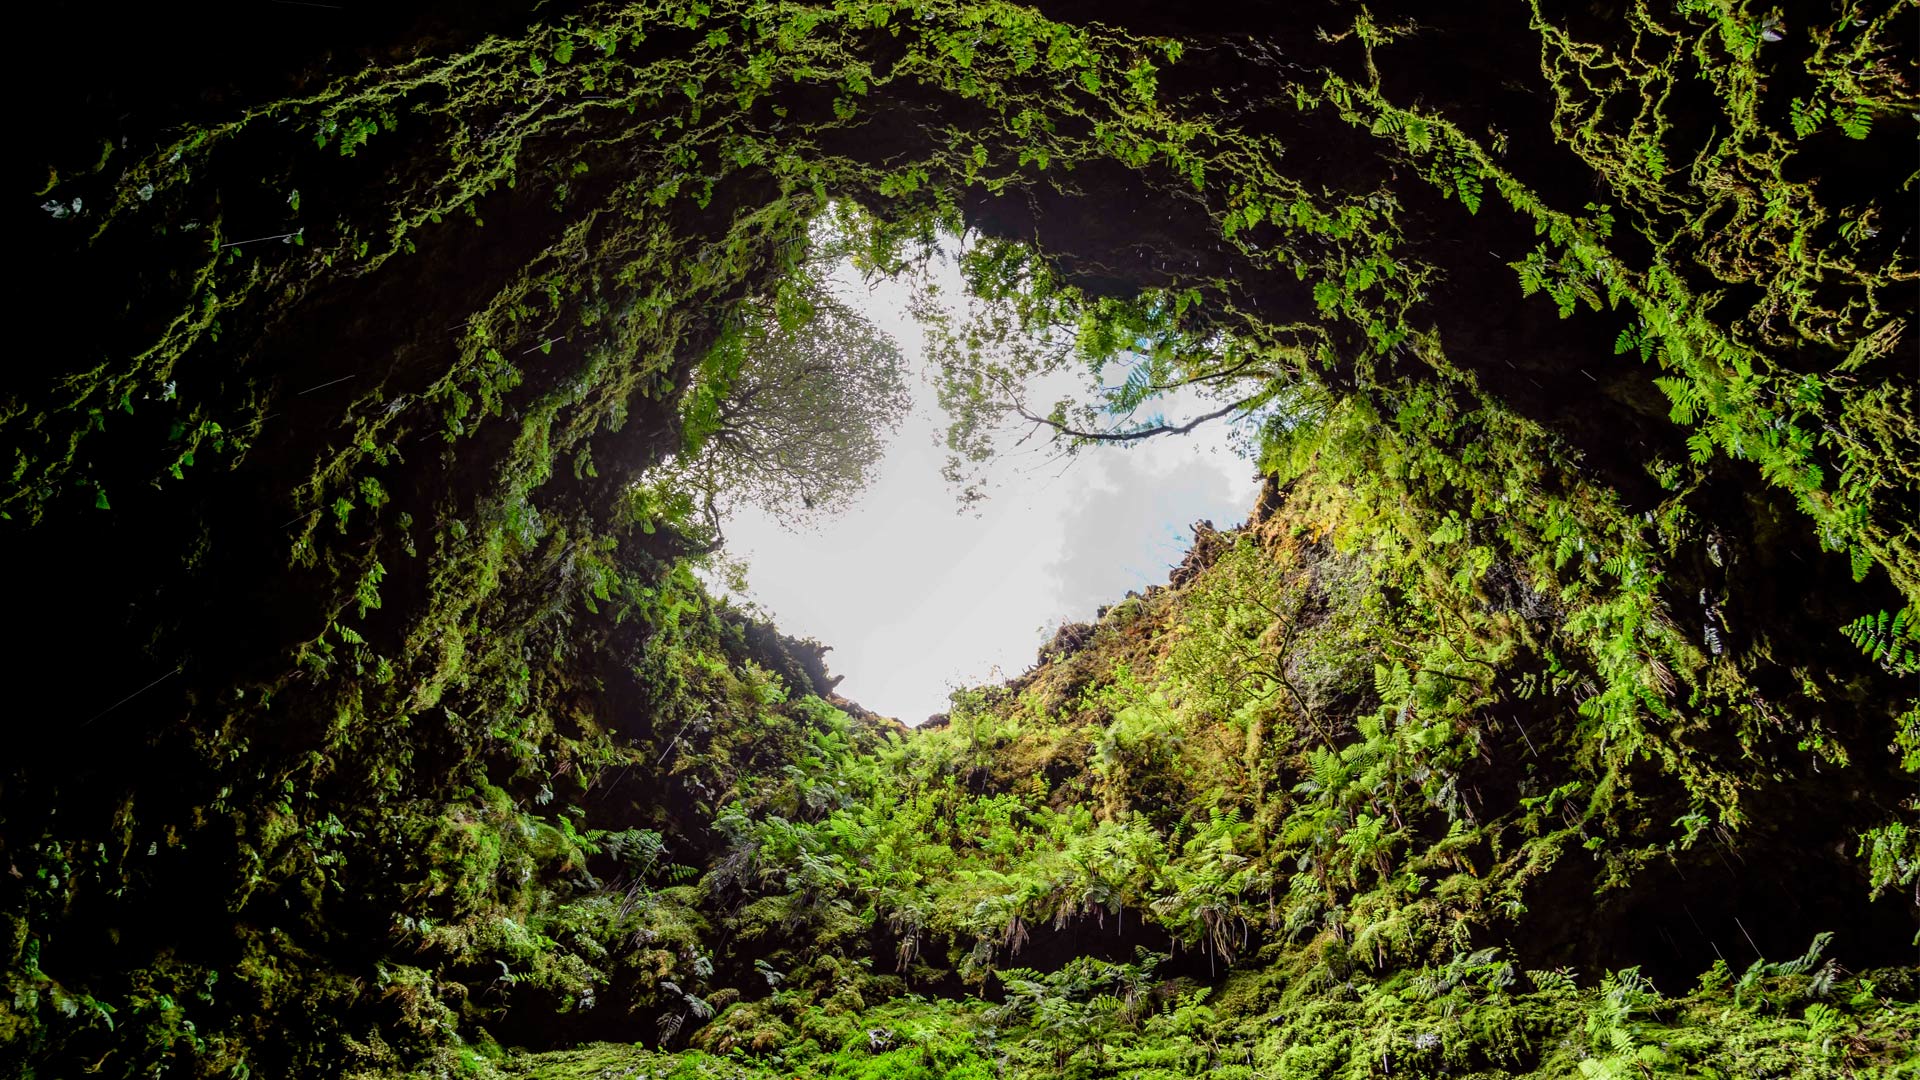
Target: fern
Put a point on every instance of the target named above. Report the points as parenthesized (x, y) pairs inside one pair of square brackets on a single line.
[(1685, 396), (1803, 963), (1393, 684), (1892, 852), (1892, 641), (1857, 122), (1637, 338), (1807, 117), (1467, 185), (1799, 965)]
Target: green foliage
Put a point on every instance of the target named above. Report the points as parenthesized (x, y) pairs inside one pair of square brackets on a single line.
[(516, 767), (790, 411), (1080, 1024), (1893, 642)]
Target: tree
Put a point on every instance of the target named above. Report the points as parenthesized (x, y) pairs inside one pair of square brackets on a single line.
[(1019, 329), (791, 409)]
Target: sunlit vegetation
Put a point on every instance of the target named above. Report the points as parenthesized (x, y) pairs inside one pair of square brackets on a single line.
[(789, 412), (1553, 715)]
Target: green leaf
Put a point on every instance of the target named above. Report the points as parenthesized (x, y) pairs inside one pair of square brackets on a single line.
[(1327, 295), (1862, 563), (1857, 122), (1700, 447)]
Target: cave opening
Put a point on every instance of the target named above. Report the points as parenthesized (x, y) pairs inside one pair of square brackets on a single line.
[(399, 387)]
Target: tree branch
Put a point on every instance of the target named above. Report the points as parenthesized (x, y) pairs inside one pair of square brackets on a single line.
[(1138, 433)]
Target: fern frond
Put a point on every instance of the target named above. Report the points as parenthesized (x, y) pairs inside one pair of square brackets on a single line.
[(1892, 641)]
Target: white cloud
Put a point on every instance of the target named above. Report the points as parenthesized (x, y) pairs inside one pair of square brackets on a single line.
[(1130, 525)]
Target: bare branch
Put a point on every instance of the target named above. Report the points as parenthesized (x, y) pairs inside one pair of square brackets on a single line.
[(1137, 433)]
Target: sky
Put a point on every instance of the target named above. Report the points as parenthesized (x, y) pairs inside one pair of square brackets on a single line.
[(917, 598)]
